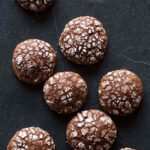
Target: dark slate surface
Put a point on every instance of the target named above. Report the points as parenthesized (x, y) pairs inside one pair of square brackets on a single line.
[(128, 25)]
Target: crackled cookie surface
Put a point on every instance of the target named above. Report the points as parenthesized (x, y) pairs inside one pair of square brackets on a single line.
[(34, 61), (84, 40), (35, 5), (32, 138), (91, 130), (65, 92), (120, 92), (127, 149)]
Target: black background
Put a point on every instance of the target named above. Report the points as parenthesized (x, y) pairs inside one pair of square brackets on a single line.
[(127, 23)]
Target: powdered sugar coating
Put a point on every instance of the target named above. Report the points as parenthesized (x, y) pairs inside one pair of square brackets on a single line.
[(65, 92), (91, 130), (120, 92), (127, 149), (83, 40), (32, 138), (35, 5), (34, 61)]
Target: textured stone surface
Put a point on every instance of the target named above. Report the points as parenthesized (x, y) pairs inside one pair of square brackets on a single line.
[(91, 130), (120, 92), (65, 92), (34, 61), (32, 138), (84, 40), (35, 5)]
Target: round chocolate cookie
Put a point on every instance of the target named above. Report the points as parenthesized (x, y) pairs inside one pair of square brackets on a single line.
[(34, 61), (84, 40), (91, 130), (120, 92), (32, 138), (65, 92), (35, 5), (127, 149)]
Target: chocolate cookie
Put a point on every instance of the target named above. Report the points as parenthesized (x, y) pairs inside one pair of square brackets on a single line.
[(32, 138), (91, 130), (120, 92), (65, 92), (34, 61), (84, 40), (35, 5)]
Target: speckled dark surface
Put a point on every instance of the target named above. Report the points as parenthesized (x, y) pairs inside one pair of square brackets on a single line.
[(127, 23)]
